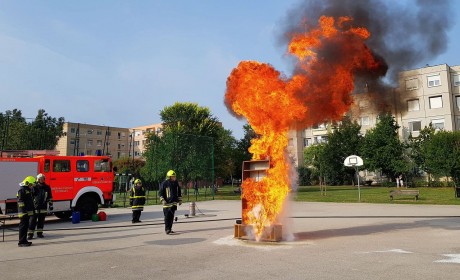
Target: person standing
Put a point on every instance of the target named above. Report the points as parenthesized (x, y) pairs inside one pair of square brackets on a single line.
[(25, 209), (170, 195), (195, 187), (137, 200), (41, 193)]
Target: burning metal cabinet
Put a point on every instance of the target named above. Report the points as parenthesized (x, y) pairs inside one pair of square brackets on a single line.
[(255, 170)]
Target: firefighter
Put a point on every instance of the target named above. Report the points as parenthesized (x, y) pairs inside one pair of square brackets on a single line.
[(170, 196), (137, 200), (41, 193), (25, 209)]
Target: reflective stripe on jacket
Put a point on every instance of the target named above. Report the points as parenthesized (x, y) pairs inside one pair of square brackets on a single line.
[(170, 192), (137, 198), (25, 202)]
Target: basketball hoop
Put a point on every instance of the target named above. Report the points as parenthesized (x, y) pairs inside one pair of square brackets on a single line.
[(354, 161)]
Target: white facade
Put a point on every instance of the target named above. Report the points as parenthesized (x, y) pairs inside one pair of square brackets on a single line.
[(426, 95)]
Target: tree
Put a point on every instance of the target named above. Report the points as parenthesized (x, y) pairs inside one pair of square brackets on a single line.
[(442, 155), (345, 140), (242, 150), (41, 134), (382, 150), (414, 149), (314, 159), (225, 166), (192, 143)]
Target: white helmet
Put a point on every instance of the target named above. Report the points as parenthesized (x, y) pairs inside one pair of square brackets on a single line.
[(40, 176)]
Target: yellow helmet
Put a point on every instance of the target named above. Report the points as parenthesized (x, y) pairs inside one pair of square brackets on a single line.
[(171, 173), (29, 180), (137, 181)]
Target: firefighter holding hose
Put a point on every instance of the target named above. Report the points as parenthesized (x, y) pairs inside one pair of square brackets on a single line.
[(170, 196)]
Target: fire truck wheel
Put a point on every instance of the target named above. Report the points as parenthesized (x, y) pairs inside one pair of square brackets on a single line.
[(64, 215), (87, 206)]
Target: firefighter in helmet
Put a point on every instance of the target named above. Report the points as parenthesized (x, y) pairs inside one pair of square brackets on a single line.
[(137, 200), (170, 196), (25, 209), (41, 193)]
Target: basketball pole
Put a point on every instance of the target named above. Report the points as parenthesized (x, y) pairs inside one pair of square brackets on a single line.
[(359, 188)]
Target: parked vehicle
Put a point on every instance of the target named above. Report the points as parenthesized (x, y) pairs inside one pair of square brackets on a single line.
[(78, 183)]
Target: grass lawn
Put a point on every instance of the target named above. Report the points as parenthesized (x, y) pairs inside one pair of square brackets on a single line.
[(348, 194), (442, 196)]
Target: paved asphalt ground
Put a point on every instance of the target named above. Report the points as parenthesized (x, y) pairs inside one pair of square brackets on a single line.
[(329, 241)]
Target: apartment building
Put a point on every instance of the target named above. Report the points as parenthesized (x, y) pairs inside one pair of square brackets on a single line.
[(426, 95), (429, 95), (90, 139), (138, 138)]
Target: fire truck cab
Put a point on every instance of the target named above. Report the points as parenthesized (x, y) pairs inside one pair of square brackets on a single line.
[(78, 183)]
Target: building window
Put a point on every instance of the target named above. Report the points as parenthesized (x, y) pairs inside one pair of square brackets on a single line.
[(435, 102), (320, 139), (90, 131), (99, 132), (413, 105), (136, 143), (456, 79), (99, 143), (72, 130), (72, 142), (438, 124), (434, 81), (457, 101), (412, 84), (363, 104), (415, 126), (90, 143), (307, 142), (320, 126), (365, 120)]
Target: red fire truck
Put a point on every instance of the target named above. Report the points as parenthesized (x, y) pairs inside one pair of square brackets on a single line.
[(78, 183)]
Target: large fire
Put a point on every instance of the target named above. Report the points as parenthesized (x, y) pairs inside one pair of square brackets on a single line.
[(328, 56)]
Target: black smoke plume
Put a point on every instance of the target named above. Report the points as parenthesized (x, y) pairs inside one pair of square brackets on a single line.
[(405, 35)]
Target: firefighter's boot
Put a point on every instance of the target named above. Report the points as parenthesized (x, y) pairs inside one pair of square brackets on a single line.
[(30, 236)]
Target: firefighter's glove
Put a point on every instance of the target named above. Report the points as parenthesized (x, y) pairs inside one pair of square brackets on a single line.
[(51, 207), (180, 202), (163, 202)]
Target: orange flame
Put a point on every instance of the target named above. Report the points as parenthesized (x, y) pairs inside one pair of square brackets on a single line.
[(328, 57)]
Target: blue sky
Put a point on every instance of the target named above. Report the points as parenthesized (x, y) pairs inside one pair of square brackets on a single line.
[(119, 63)]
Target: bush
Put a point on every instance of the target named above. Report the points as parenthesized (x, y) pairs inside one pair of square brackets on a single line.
[(304, 176)]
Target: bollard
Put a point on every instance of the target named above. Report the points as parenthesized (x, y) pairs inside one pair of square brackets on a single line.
[(192, 209)]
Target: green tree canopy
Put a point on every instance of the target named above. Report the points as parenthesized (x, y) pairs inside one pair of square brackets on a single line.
[(193, 143), (42, 133), (382, 150), (441, 154)]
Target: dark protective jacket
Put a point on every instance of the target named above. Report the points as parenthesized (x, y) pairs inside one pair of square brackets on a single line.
[(137, 198), (170, 192), (42, 198), (25, 202)]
